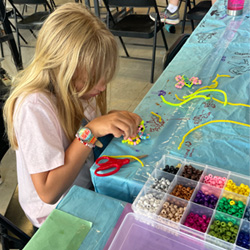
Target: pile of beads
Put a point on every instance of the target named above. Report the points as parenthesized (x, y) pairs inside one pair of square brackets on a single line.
[(215, 181), (247, 213), (232, 207), (182, 192), (243, 239), (241, 189), (172, 169), (197, 222), (172, 211), (161, 184), (224, 230), (191, 173), (150, 201), (206, 200)]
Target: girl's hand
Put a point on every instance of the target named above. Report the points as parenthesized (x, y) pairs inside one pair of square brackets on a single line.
[(118, 123)]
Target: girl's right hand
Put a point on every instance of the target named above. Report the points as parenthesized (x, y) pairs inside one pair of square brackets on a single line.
[(118, 123)]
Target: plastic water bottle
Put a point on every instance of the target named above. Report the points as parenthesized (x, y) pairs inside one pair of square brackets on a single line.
[(235, 7)]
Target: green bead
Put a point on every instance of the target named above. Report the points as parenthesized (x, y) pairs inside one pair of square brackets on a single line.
[(229, 211), (232, 229), (224, 199), (238, 215), (233, 236), (217, 222), (212, 227), (211, 233), (228, 233), (233, 210), (230, 224), (241, 204), (236, 227), (223, 224), (232, 241), (241, 211)]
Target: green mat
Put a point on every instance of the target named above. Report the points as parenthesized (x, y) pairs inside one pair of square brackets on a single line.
[(60, 231)]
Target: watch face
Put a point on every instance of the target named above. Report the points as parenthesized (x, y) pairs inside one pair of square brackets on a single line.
[(84, 134)]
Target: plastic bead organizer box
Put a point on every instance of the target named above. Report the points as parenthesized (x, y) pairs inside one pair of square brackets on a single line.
[(196, 206)]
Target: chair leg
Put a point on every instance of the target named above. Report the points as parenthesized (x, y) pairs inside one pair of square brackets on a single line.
[(2, 52), (191, 20), (184, 17), (18, 38), (124, 47), (164, 39), (153, 56)]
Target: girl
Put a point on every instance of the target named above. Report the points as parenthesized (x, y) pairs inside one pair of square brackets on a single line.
[(65, 84)]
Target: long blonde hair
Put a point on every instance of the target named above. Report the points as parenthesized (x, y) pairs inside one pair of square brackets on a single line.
[(72, 38)]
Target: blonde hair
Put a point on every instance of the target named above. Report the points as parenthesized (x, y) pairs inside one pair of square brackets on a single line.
[(71, 39)]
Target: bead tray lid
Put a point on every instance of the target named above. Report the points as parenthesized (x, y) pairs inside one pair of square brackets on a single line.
[(140, 233), (160, 201)]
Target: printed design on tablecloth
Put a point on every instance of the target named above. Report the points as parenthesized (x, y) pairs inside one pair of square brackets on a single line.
[(203, 37), (155, 124), (199, 118), (189, 149), (240, 66), (209, 104)]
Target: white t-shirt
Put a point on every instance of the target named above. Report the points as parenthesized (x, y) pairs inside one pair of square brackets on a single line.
[(41, 147)]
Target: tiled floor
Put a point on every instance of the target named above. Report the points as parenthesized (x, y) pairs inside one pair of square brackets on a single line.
[(125, 92)]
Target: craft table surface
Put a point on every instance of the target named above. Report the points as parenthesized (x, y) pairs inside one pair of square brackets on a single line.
[(219, 45), (101, 210)]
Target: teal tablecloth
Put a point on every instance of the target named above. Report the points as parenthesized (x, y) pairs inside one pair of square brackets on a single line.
[(219, 45), (103, 212)]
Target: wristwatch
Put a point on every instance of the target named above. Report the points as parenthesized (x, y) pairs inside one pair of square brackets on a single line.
[(85, 136)]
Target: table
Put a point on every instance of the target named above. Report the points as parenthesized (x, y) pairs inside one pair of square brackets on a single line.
[(219, 45)]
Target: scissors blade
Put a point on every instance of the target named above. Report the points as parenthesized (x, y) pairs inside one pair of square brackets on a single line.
[(139, 157)]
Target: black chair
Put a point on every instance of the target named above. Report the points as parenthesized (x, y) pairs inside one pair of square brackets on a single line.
[(7, 240), (3, 95), (196, 13), (30, 22), (135, 25), (174, 49)]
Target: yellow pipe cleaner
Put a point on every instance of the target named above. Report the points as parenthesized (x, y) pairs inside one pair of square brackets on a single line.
[(189, 99), (153, 113), (209, 90), (190, 131), (126, 156), (233, 104), (213, 86), (177, 97)]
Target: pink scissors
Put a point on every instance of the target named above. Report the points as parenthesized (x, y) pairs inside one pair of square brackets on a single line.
[(112, 163)]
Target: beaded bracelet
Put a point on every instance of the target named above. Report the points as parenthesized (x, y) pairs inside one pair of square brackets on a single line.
[(85, 143), (140, 135)]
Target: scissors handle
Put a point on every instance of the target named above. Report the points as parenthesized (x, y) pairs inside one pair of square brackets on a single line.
[(109, 164)]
